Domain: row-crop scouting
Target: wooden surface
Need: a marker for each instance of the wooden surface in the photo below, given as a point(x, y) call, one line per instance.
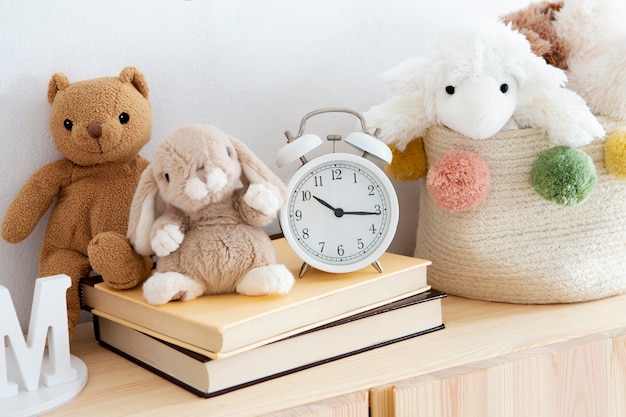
point(571, 378)
point(484, 345)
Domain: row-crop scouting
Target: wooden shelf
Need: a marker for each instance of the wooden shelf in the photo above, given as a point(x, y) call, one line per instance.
point(492, 359)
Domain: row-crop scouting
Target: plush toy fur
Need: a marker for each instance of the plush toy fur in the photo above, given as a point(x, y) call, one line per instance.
point(536, 23)
point(596, 32)
point(478, 79)
point(99, 126)
point(190, 210)
point(595, 56)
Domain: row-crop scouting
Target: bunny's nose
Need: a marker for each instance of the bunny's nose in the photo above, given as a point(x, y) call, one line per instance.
point(216, 180)
point(196, 189)
point(200, 185)
point(95, 130)
point(201, 174)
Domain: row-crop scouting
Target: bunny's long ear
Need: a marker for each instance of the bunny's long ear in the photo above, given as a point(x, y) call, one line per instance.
point(144, 209)
point(254, 171)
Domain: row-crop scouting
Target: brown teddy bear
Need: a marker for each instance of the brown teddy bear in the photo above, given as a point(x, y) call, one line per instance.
point(99, 125)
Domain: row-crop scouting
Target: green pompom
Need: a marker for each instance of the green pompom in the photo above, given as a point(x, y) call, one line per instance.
point(564, 175)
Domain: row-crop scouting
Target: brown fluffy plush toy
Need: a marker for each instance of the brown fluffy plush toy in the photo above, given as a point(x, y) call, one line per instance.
point(536, 23)
point(99, 126)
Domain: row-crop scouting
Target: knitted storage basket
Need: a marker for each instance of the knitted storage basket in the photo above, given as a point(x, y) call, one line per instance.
point(517, 246)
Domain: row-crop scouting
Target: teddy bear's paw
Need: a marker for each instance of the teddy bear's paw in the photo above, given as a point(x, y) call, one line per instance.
point(164, 287)
point(111, 255)
point(615, 154)
point(167, 240)
point(459, 181)
point(263, 198)
point(564, 175)
point(269, 279)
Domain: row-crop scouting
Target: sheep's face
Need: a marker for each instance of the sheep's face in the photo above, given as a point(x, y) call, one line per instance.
point(477, 107)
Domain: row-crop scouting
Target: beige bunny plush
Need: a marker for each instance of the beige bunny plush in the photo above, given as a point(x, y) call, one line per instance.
point(200, 207)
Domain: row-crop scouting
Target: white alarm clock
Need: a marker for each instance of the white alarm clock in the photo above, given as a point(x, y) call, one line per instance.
point(341, 212)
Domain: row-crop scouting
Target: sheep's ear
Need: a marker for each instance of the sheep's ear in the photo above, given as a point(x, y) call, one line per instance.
point(401, 119)
point(406, 77)
point(537, 78)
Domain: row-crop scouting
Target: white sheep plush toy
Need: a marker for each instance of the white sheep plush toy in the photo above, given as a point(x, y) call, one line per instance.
point(477, 79)
point(506, 211)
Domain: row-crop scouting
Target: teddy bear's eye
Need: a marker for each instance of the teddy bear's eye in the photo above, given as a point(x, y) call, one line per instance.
point(167, 177)
point(68, 124)
point(124, 118)
point(504, 88)
point(450, 89)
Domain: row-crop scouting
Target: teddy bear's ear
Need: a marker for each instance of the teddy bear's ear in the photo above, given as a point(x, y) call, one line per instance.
point(59, 81)
point(133, 76)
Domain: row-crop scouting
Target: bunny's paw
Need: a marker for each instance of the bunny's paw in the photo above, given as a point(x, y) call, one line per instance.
point(167, 240)
point(163, 287)
point(269, 279)
point(263, 198)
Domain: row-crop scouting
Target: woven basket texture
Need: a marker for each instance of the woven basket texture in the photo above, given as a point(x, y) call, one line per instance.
point(518, 247)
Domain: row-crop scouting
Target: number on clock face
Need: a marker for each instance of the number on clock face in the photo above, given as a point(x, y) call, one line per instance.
point(339, 212)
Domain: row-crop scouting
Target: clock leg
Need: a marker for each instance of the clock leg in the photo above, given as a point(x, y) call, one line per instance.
point(377, 265)
point(304, 269)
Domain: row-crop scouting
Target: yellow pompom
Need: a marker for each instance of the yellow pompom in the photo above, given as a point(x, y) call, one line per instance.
point(615, 154)
point(410, 164)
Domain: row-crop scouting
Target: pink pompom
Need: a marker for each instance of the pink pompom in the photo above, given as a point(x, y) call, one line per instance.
point(459, 181)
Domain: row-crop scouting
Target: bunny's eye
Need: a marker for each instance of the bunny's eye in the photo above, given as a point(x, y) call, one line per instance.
point(228, 152)
point(504, 88)
point(167, 177)
point(450, 89)
point(67, 123)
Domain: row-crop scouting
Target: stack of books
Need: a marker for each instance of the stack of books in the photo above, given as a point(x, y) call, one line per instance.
point(220, 343)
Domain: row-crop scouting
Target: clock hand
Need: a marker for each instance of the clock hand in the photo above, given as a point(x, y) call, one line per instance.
point(324, 203)
point(338, 212)
point(362, 213)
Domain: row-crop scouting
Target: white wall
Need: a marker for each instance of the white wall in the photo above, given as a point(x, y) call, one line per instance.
point(252, 67)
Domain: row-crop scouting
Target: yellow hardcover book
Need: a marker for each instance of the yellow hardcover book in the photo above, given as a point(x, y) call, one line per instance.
point(391, 323)
point(227, 322)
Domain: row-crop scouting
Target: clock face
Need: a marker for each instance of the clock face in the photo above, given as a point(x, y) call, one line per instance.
point(341, 213)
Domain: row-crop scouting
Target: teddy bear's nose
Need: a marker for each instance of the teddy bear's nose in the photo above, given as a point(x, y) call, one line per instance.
point(95, 130)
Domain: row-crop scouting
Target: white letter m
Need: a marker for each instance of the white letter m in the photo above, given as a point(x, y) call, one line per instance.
point(21, 361)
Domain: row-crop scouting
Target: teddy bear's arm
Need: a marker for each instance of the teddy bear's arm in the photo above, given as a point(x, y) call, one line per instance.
point(34, 198)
